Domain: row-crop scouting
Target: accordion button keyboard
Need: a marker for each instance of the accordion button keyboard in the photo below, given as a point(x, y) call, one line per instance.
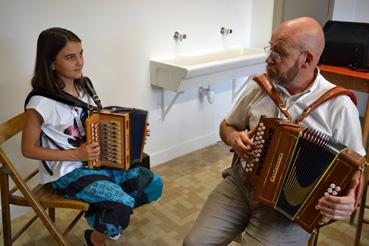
point(333, 190)
point(252, 164)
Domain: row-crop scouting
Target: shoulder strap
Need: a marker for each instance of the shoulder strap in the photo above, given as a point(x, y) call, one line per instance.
point(92, 92)
point(270, 89)
point(68, 99)
point(334, 92)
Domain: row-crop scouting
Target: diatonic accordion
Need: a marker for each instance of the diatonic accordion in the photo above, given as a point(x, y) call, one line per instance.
point(294, 166)
point(121, 134)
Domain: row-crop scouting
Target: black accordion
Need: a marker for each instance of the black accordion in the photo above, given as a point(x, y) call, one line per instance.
point(294, 166)
point(121, 133)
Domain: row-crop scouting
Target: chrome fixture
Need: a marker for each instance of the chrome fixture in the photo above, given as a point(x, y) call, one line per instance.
point(225, 31)
point(179, 37)
point(208, 92)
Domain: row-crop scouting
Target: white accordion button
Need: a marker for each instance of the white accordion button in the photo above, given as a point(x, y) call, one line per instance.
point(333, 189)
point(326, 194)
point(243, 164)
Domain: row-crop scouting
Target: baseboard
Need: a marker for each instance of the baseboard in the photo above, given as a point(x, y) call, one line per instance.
point(183, 148)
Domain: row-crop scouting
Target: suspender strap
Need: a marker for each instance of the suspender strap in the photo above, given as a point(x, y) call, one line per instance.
point(272, 92)
point(46, 166)
point(93, 93)
point(69, 99)
point(270, 89)
point(334, 92)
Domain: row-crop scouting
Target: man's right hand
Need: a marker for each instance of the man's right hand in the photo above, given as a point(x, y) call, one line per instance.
point(240, 141)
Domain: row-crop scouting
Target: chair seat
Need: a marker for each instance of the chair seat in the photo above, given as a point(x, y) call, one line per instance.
point(49, 198)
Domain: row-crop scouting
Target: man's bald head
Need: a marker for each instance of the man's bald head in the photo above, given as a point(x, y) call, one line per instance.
point(303, 33)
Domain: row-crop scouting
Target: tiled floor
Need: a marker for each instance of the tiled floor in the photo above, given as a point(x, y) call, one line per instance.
point(188, 180)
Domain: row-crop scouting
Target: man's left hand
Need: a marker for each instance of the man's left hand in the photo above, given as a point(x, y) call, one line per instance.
point(339, 207)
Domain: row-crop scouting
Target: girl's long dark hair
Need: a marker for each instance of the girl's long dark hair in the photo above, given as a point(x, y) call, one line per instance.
point(49, 43)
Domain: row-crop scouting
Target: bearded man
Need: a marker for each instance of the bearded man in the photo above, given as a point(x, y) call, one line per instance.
point(293, 54)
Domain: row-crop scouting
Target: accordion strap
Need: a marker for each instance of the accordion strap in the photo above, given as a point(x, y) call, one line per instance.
point(272, 92)
point(93, 93)
point(69, 99)
point(334, 92)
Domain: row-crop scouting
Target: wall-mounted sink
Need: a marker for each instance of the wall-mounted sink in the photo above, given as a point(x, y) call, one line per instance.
point(187, 71)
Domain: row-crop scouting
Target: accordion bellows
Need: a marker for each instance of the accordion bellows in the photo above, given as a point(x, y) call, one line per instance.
point(294, 166)
point(121, 135)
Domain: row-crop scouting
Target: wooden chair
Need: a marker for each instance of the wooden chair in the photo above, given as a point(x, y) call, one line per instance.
point(360, 212)
point(313, 240)
point(40, 198)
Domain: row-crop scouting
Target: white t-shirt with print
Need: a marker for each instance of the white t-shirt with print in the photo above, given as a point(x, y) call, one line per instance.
point(61, 125)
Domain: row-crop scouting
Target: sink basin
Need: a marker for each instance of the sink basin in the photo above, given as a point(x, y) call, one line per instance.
point(187, 71)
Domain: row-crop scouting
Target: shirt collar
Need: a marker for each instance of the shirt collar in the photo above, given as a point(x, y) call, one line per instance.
point(311, 88)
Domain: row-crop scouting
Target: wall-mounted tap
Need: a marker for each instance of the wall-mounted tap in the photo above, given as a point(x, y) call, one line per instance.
point(225, 31)
point(208, 92)
point(179, 37)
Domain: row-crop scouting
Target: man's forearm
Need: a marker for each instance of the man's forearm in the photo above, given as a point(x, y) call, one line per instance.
point(224, 131)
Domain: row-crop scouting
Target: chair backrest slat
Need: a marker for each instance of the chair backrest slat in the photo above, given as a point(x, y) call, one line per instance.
point(11, 127)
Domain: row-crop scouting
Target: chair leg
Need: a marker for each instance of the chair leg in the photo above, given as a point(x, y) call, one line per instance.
point(360, 216)
point(313, 240)
point(352, 217)
point(5, 207)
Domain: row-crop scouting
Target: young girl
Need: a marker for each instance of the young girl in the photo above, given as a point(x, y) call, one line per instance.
point(54, 133)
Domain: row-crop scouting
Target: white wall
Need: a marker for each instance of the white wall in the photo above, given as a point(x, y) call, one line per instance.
point(354, 10)
point(119, 37)
point(261, 23)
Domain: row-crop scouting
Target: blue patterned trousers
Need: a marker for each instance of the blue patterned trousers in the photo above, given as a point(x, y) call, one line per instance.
point(112, 194)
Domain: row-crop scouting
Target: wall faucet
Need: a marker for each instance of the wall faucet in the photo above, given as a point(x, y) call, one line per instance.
point(208, 92)
point(225, 31)
point(179, 37)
